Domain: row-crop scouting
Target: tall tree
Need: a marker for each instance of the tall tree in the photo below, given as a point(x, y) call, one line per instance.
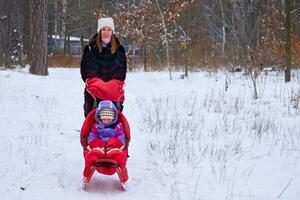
point(223, 26)
point(287, 71)
point(38, 37)
point(25, 28)
point(141, 23)
point(64, 31)
point(156, 28)
point(165, 38)
point(10, 34)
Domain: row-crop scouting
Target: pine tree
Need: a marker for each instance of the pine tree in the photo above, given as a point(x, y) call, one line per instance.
point(38, 37)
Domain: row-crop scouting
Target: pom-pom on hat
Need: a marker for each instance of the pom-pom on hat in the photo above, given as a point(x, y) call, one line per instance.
point(106, 113)
point(106, 21)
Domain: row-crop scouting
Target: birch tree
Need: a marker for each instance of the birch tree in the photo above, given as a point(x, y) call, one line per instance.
point(223, 27)
point(165, 38)
point(63, 37)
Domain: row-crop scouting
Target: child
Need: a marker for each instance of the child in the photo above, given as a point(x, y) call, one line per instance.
point(106, 141)
point(107, 133)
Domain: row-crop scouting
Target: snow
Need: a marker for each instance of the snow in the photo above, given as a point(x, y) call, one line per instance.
point(190, 138)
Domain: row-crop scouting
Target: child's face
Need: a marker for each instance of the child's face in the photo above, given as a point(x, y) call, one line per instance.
point(106, 121)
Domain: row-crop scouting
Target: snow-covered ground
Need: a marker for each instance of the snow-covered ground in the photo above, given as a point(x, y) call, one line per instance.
point(191, 139)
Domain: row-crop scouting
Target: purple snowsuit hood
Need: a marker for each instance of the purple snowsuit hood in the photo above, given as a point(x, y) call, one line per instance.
point(106, 104)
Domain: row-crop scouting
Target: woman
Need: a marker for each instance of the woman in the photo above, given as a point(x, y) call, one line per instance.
point(103, 58)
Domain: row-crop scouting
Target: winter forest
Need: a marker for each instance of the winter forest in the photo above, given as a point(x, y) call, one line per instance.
point(190, 35)
point(211, 93)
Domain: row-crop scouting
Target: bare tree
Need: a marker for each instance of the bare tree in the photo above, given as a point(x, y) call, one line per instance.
point(10, 34)
point(165, 39)
point(64, 26)
point(38, 37)
point(24, 6)
point(210, 33)
point(287, 71)
point(151, 25)
point(141, 23)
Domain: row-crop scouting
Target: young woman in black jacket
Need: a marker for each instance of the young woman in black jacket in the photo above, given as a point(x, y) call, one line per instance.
point(104, 58)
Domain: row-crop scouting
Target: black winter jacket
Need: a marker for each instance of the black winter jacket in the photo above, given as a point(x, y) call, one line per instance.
point(105, 66)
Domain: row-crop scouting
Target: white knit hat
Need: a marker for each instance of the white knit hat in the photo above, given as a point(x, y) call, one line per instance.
point(106, 21)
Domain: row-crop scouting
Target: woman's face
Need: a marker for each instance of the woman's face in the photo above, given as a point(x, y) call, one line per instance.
point(106, 32)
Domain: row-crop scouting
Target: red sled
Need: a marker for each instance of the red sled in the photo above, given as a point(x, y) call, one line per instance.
point(108, 162)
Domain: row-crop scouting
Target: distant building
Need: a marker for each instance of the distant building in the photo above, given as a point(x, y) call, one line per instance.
point(55, 44)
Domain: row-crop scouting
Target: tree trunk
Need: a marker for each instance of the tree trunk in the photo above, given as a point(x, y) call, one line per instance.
point(186, 45)
point(145, 58)
point(51, 25)
point(223, 27)
point(10, 34)
point(80, 27)
point(63, 38)
point(4, 31)
point(38, 37)
point(56, 19)
point(25, 29)
point(175, 53)
point(165, 39)
point(89, 19)
point(287, 71)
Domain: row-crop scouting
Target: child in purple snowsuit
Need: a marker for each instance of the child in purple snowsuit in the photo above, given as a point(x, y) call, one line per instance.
point(107, 133)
